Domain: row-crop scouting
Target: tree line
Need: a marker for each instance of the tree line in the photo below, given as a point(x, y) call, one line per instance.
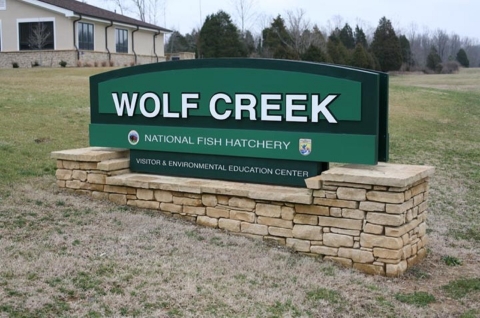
point(384, 49)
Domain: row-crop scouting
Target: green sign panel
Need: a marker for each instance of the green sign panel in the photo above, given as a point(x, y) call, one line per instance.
point(243, 108)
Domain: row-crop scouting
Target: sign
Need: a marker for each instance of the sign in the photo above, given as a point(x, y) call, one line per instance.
point(241, 109)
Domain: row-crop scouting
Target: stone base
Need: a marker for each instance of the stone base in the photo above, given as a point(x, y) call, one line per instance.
point(371, 218)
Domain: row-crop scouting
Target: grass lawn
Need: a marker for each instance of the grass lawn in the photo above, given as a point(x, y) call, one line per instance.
point(67, 256)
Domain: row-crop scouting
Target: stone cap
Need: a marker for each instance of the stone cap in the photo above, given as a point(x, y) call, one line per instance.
point(90, 154)
point(382, 174)
point(207, 186)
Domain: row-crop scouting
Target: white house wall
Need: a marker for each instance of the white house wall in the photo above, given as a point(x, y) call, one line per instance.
point(17, 10)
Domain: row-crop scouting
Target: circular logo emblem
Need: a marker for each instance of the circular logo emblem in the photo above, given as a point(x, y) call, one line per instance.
point(133, 137)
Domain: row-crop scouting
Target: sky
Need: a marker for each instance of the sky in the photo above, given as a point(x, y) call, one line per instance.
point(453, 16)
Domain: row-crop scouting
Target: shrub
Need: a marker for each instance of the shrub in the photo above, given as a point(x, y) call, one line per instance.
point(79, 63)
point(35, 64)
point(95, 64)
point(104, 63)
point(15, 65)
point(62, 63)
point(450, 67)
point(112, 63)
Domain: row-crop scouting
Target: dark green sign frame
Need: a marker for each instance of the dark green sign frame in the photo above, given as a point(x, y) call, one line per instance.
point(244, 108)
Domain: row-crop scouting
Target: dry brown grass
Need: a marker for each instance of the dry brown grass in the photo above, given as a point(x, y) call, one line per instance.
point(64, 255)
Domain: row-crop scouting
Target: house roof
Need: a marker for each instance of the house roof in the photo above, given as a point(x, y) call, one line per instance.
point(84, 9)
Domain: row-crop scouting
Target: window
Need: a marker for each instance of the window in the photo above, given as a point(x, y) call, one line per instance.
point(36, 35)
point(0, 35)
point(3, 4)
point(121, 43)
point(85, 36)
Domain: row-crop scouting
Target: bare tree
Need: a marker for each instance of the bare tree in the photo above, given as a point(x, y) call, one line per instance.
point(245, 12)
point(440, 39)
point(39, 36)
point(299, 30)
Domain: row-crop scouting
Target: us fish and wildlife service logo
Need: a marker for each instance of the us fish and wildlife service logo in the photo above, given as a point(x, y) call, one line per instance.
point(133, 137)
point(305, 146)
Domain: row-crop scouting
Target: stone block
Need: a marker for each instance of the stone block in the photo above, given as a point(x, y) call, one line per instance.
point(96, 178)
point(393, 270)
point(417, 199)
point(324, 250)
point(187, 201)
point(144, 194)
point(372, 206)
point(319, 193)
point(337, 240)
point(288, 213)
point(163, 196)
point(406, 251)
point(314, 182)
point(336, 203)
point(387, 253)
point(305, 219)
point(401, 230)
point(242, 203)
point(345, 232)
point(346, 262)
point(380, 188)
point(229, 225)
point(206, 221)
point(307, 232)
point(274, 240)
point(370, 241)
point(340, 223)
point(385, 219)
point(194, 210)
point(371, 269)
point(278, 231)
point(79, 175)
point(148, 204)
point(275, 222)
point(399, 208)
point(351, 194)
point(256, 229)
point(75, 184)
point(63, 174)
point(311, 209)
point(115, 189)
point(67, 164)
point(298, 245)
point(347, 185)
point(114, 164)
point(353, 214)
point(209, 200)
point(88, 165)
point(170, 207)
point(356, 255)
point(242, 216)
point(336, 212)
point(99, 195)
point(222, 199)
point(386, 197)
point(118, 198)
point(331, 194)
point(422, 187)
point(373, 228)
point(422, 207)
point(61, 183)
point(218, 213)
point(269, 210)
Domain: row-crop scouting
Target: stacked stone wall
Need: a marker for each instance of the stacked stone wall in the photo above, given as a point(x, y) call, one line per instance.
point(377, 229)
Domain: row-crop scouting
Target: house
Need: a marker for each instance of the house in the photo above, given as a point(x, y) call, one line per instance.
point(45, 32)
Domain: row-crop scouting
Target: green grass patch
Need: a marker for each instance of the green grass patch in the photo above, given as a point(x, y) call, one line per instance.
point(451, 260)
point(419, 299)
point(462, 287)
point(329, 295)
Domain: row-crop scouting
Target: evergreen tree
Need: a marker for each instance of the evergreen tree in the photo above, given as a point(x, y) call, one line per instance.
point(176, 43)
point(360, 37)
point(434, 61)
point(248, 42)
point(360, 57)
point(346, 37)
point(277, 42)
point(337, 51)
point(386, 46)
point(314, 54)
point(219, 37)
point(462, 58)
point(406, 52)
